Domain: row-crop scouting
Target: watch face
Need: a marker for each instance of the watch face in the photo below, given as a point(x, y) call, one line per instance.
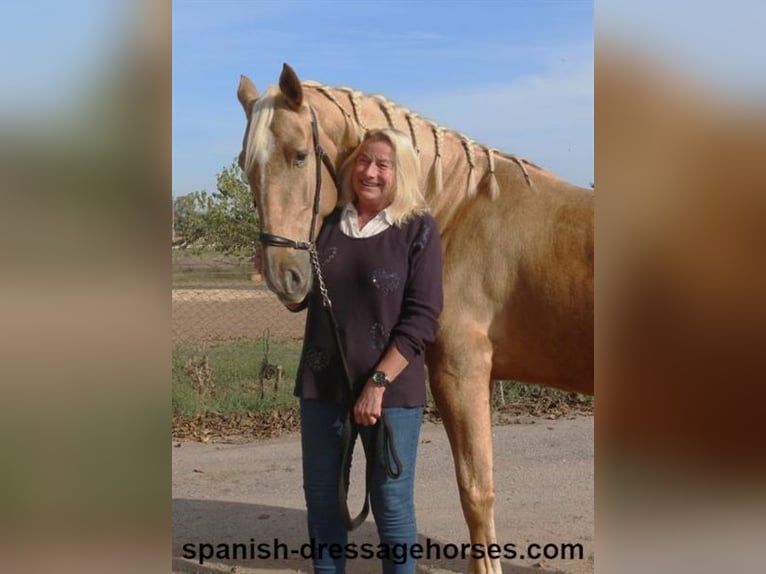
point(379, 378)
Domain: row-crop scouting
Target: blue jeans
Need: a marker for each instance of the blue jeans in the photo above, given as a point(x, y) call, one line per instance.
point(391, 499)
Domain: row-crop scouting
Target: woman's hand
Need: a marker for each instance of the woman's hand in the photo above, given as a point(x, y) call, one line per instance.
point(369, 405)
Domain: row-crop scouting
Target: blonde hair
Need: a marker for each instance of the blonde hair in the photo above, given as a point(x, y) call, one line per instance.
point(408, 200)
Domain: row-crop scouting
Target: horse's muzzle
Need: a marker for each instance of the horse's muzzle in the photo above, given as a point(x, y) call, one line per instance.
point(288, 275)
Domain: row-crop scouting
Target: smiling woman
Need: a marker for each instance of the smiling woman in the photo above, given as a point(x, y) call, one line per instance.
point(362, 372)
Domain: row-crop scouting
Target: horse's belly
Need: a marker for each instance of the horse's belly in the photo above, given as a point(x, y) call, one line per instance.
point(556, 355)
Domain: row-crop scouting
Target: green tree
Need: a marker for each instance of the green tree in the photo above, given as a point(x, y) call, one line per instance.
point(225, 221)
point(232, 218)
point(190, 219)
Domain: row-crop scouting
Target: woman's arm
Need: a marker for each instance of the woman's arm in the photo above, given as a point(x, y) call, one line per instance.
point(423, 297)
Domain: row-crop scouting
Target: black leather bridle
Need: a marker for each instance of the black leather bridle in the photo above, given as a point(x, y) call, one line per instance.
point(269, 239)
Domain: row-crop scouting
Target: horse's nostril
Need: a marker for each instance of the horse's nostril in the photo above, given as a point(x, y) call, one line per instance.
point(293, 280)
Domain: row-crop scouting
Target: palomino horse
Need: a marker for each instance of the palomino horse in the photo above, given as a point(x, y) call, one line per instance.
point(518, 256)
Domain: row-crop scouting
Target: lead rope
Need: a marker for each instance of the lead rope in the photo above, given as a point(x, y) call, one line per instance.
point(384, 437)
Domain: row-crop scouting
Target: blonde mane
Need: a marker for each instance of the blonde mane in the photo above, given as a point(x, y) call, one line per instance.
point(389, 109)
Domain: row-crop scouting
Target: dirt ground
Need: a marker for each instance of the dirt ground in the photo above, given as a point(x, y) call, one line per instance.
point(241, 490)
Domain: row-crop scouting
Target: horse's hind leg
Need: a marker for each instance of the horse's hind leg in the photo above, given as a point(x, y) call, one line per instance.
point(459, 376)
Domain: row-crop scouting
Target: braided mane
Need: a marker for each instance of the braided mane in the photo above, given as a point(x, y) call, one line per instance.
point(389, 109)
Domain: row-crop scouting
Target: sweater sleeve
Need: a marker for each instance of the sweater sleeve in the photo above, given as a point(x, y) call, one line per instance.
point(423, 296)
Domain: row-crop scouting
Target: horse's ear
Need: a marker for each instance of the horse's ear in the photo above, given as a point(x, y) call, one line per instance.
point(247, 94)
point(290, 86)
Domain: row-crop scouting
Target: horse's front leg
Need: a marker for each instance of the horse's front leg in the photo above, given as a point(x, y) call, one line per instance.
point(459, 369)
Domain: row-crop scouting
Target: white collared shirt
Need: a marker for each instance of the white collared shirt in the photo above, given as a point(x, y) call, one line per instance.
point(349, 222)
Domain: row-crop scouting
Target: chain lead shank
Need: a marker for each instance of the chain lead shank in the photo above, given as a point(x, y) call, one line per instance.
point(318, 272)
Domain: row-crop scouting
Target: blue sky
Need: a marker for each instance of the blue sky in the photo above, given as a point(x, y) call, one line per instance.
point(516, 75)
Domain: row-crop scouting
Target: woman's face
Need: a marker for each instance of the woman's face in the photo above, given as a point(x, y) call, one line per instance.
point(373, 175)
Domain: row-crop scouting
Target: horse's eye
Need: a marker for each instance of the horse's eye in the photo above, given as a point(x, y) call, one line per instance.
point(300, 158)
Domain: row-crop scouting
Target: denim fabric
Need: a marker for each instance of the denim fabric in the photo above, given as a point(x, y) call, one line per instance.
point(391, 499)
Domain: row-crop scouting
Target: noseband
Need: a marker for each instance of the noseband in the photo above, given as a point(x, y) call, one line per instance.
point(269, 239)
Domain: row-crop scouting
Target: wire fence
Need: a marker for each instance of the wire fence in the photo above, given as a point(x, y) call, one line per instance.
point(210, 316)
point(230, 332)
point(218, 299)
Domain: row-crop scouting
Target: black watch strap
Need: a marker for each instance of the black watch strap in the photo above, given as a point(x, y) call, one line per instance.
point(379, 379)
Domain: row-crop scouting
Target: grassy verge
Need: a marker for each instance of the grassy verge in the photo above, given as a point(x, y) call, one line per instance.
point(217, 393)
point(537, 398)
point(225, 379)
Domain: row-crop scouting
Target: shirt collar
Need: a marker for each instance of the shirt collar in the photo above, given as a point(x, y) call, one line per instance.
point(385, 215)
point(349, 222)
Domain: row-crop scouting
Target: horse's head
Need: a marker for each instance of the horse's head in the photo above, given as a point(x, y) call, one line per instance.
point(279, 156)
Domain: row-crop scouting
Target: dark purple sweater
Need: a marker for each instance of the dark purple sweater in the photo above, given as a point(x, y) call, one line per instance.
point(384, 289)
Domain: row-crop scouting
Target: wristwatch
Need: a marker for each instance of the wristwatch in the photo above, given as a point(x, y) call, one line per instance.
point(379, 379)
